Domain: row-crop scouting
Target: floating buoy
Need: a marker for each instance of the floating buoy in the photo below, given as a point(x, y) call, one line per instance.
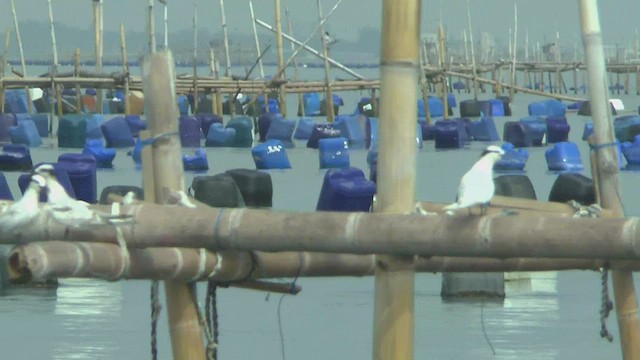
point(136, 124)
point(190, 131)
point(483, 130)
point(271, 154)
point(104, 156)
point(219, 136)
point(41, 121)
point(303, 129)
point(72, 131)
point(117, 133)
point(631, 152)
point(346, 190)
point(470, 108)
point(255, 185)
point(353, 128)
point(264, 122)
point(244, 131)
point(626, 127)
point(81, 169)
point(94, 126)
point(333, 153)
point(564, 156)
point(321, 131)
point(573, 186)
point(282, 129)
point(451, 134)
point(512, 160)
point(557, 129)
point(26, 133)
point(218, 190)
point(15, 157)
point(515, 185)
point(206, 119)
point(196, 162)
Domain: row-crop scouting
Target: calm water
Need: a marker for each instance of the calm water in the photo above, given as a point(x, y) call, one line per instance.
point(552, 316)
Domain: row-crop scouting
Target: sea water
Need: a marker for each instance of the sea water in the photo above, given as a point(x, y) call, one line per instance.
point(553, 315)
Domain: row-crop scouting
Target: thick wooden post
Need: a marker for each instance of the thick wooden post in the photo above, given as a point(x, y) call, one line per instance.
point(394, 276)
point(606, 174)
point(327, 82)
point(158, 75)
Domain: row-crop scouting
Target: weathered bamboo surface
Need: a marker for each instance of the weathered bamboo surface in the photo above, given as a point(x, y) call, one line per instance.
point(64, 259)
point(504, 235)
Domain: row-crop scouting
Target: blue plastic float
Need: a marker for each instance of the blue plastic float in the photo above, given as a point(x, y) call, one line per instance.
point(483, 130)
point(557, 129)
point(7, 121)
point(512, 160)
point(183, 105)
point(564, 156)
point(117, 133)
point(196, 162)
point(333, 152)
point(206, 120)
point(264, 122)
point(492, 107)
point(136, 124)
point(271, 154)
point(631, 152)
point(346, 190)
point(5, 191)
point(15, 157)
point(94, 129)
point(136, 152)
point(353, 128)
point(104, 156)
point(451, 134)
point(626, 127)
point(321, 131)
point(243, 126)
point(41, 121)
point(587, 131)
point(459, 85)
point(81, 169)
point(311, 104)
point(303, 129)
point(470, 108)
point(428, 131)
point(219, 136)
point(555, 107)
point(190, 131)
point(282, 129)
point(26, 133)
point(15, 101)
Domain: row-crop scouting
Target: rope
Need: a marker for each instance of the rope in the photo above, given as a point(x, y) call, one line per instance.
point(155, 313)
point(596, 147)
point(211, 316)
point(606, 305)
point(591, 211)
point(153, 140)
point(484, 331)
point(126, 257)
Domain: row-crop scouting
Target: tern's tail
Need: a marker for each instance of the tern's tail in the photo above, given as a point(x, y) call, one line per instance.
point(453, 206)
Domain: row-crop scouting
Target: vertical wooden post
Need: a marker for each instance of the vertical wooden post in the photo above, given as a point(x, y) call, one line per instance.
point(473, 57)
point(423, 88)
point(327, 81)
point(54, 70)
point(445, 91)
point(166, 24)
point(394, 276)
point(515, 52)
point(255, 37)
point(5, 53)
point(151, 27)
point(158, 75)
point(216, 106)
point(76, 73)
point(22, 61)
point(626, 304)
point(97, 15)
point(282, 73)
point(195, 59)
point(296, 70)
point(125, 67)
point(223, 17)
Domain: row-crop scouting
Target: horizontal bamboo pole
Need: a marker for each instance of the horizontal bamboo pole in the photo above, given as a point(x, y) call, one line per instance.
point(63, 259)
point(500, 235)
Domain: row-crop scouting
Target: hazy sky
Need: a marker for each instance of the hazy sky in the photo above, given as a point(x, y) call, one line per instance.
point(540, 17)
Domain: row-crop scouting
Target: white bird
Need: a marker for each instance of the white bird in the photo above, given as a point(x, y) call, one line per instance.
point(328, 39)
point(25, 210)
point(129, 198)
point(476, 186)
point(65, 209)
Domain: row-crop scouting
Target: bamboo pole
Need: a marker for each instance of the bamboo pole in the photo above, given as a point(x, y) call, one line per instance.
point(515, 52)
point(5, 53)
point(166, 23)
point(125, 67)
point(76, 73)
point(443, 85)
point(255, 37)
point(227, 73)
point(161, 109)
point(606, 172)
point(151, 27)
point(423, 89)
point(296, 70)
point(394, 276)
point(217, 96)
point(48, 260)
point(54, 69)
point(325, 51)
point(281, 74)
point(304, 46)
point(473, 57)
point(196, 101)
point(97, 16)
point(22, 60)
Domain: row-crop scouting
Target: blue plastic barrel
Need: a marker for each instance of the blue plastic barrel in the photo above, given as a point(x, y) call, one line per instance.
point(564, 156)
point(196, 162)
point(271, 154)
point(219, 136)
point(190, 131)
point(15, 157)
point(264, 122)
point(483, 130)
point(303, 129)
point(81, 169)
point(346, 190)
point(631, 152)
point(136, 124)
point(117, 133)
point(353, 128)
point(244, 131)
point(311, 104)
point(512, 160)
point(104, 156)
point(450, 134)
point(7, 121)
point(321, 131)
point(26, 133)
point(557, 129)
point(281, 129)
point(206, 120)
point(333, 153)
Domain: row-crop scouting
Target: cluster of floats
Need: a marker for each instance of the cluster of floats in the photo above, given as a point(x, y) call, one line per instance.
point(99, 137)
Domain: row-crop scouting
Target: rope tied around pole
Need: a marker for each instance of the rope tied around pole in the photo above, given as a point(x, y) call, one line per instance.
point(606, 305)
point(153, 140)
point(596, 147)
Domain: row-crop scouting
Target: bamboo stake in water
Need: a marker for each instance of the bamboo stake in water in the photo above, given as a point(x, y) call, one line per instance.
point(281, 67)
point(515, 52)
point(473, 57)
point(626, 304)
point(54, 70)
point(125, 67)
point(327, 83)
point(22, 61)
point(255, 37)
point(394, 276)
point(195, 59)
point(97, 13)
point(161, 108)
point(166, 24)
point(443, 85)
point(3, 64)
point(227, 73)
point(423, 88)
point(217, 96)
point(296, 70)
point(151, 28)
point(76, 73)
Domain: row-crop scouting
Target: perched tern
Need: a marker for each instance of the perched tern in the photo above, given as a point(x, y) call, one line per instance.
point(25, 210)
point(328, 39)
point(476, 186)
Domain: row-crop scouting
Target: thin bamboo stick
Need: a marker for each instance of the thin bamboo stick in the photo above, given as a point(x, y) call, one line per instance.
point(161, 109)
point(296, 70)
point(125, 68)
point(54, 69)
point(76, 71)
point(217, 96)
point(515, 52)
point(304, 46)
point(606, 172)
point(196, 99)
point(151, 27)
point(166, 24)
point(443, 85)
point(97, 4)
point(22, 60)
point(394, 276)
point(325, 51)
point(423, 88)
point(5, 53)
point(473, 57)
point(255, 37)
point(227, 73)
